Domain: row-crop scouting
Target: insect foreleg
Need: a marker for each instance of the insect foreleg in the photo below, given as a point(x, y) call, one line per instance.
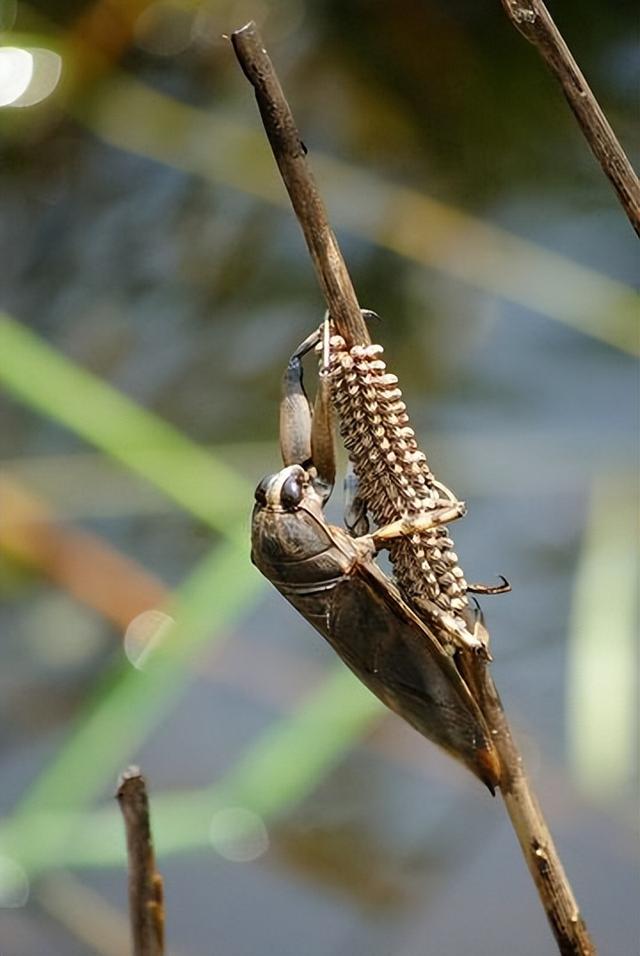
point(295, 409)
point(355, 508)
point(295, 416)
point(306, 437)
point(323, 451)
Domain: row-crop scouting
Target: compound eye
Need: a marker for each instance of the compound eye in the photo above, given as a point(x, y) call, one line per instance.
point(261, 490)
point(291, 492)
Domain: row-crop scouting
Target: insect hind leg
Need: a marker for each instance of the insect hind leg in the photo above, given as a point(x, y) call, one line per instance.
point(503, 588)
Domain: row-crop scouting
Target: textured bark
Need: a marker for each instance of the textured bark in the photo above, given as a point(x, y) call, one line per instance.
point(146, 904)
point(532, 19)
point(291, 157)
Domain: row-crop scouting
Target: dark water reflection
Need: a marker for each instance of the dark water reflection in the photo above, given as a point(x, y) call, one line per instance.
point(188, 296)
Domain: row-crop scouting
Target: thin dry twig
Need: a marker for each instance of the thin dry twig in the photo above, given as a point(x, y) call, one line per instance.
point(532, 19)
point(290, 153)
point(534, 836)
point(146, 903)
point(536, 842)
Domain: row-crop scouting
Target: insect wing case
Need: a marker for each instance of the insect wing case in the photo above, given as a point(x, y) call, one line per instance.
point(352, 603)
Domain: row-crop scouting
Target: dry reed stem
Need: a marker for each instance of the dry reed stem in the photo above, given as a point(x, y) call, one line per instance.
point(526, 817)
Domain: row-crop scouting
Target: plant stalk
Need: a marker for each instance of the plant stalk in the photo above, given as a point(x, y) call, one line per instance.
point(522, 807)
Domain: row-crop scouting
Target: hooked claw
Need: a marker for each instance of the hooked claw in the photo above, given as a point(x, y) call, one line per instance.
point(503, 588)
point(295, 417)
point(306, 436)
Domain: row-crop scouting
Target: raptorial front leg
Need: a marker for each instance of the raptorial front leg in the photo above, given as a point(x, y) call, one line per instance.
point(295, 416)
point(355, 509)
point(295, 408)
point(306, 436)
point(323, 450)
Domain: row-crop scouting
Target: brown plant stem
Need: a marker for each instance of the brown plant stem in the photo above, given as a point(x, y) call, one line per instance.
point(146, 903)
point(533, 834)
point(532, 19)
point(290, 153)
point(528, 822)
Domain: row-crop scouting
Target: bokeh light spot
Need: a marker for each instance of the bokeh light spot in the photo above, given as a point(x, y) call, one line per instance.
point(146, 634)
point(238, 834)
point(28, 76)
point(16, 70)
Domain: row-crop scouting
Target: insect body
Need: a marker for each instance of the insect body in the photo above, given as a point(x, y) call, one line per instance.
point(332, 579)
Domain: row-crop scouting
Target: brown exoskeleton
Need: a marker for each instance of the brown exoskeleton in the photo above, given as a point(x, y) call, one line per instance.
point(332, 578)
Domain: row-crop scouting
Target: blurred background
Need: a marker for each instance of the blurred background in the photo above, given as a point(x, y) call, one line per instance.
point(154, 282)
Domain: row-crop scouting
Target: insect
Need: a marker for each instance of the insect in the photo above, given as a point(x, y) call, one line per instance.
point(331, 577)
